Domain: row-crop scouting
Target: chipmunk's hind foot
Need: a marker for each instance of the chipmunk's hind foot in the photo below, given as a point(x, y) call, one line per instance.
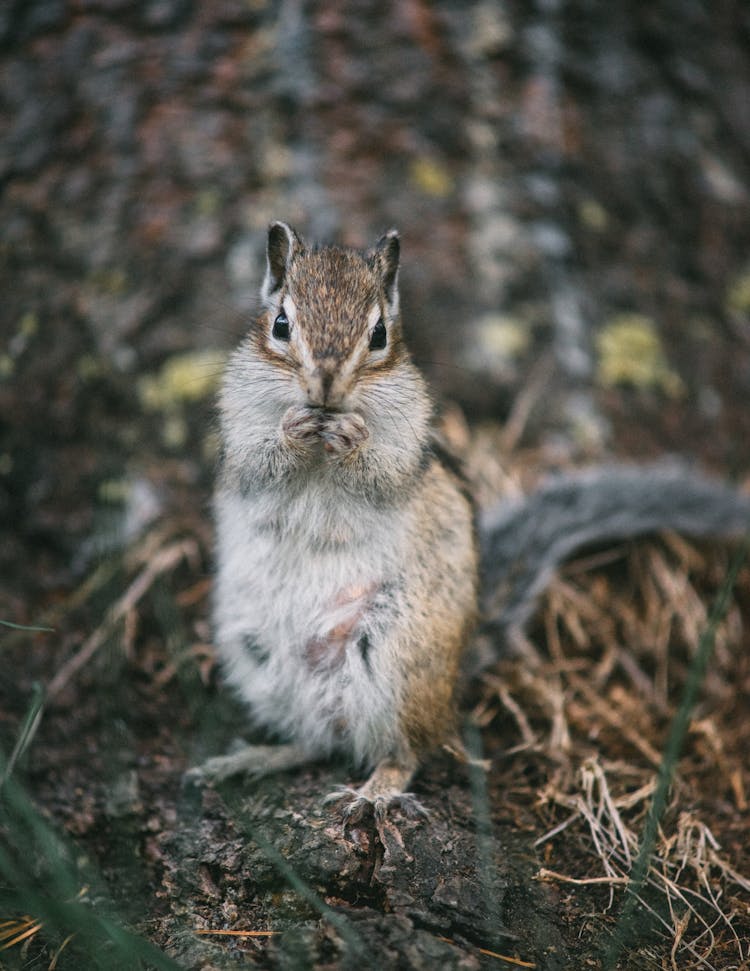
point(356, 807)
point(382, 792)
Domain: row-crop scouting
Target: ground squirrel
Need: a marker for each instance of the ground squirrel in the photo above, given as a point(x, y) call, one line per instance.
point(348, 558)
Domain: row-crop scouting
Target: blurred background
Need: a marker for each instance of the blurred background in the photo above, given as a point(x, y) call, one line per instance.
point(571, 181)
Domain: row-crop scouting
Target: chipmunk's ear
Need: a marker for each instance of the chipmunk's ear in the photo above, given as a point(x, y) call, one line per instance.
point(385, 259)
point(283, 244)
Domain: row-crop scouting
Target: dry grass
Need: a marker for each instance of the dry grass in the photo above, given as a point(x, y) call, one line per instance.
point(591, 697)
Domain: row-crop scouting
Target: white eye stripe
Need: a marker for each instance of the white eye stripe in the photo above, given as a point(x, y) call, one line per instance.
point(373, 343)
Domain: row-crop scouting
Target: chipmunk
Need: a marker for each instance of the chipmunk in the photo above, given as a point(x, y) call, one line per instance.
point(348, 555)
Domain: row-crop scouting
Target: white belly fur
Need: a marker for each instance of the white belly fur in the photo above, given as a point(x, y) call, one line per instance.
point(301, 582)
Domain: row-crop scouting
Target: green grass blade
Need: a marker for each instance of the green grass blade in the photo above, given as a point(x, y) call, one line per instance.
point(624, 930)
point(9, 623)
point(26, 733)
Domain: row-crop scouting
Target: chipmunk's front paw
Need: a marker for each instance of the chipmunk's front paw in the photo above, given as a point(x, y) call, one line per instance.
point(342, 434)
point(301, 427)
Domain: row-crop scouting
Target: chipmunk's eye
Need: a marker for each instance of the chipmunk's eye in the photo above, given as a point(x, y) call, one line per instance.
point(379, 337)
point(281, 327)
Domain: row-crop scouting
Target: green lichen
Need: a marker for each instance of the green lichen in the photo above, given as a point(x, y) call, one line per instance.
point(629, 351)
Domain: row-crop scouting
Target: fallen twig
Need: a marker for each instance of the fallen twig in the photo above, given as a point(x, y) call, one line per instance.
point(163, 560)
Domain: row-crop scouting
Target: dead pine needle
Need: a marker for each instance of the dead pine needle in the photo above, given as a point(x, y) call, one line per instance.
point(13, 932)
point(232, 933)
point(17, 930)
point(53, 963)
point(543, 874)
point(516, 962)
point(511, 705)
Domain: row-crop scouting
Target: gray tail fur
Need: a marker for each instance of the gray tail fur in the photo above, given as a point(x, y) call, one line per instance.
point(525, 541)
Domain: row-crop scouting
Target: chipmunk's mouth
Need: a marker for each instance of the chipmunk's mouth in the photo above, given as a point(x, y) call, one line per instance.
point(327, 407)
point(325, 410)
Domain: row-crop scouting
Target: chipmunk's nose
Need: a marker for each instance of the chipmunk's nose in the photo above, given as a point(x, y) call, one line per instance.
point(321, 392)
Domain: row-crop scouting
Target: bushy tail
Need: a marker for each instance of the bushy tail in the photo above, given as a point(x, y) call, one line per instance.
point(524, 541)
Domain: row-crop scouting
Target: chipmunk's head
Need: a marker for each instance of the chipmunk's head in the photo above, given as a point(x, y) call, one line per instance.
point(331, 315)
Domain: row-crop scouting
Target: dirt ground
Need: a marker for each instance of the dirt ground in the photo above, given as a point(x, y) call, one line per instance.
point(572, 187)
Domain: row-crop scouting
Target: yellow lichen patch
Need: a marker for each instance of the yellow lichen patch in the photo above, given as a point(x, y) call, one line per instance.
point(503, 336)
point(114, 492)
point(738, 295)
point(629, 351)
point(593, 215)
point(183, 378)
point(174, 431)
point(29, 324)
point(88, 366)
point(113, 280)
point(499, 342)
point(208, 202)
point(432, 178)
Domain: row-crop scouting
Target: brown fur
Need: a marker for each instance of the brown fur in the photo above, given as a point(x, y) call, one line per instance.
point(445, 610)
point(334, 290)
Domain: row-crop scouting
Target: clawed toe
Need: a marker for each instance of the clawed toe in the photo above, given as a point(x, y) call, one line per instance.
point(357, 806)
point(356, 810)
point(409, 805)
point(354, 806)
point(339, 794)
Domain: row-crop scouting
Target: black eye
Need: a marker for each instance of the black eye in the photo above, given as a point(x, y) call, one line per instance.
point(281, 327)
point(378, 338)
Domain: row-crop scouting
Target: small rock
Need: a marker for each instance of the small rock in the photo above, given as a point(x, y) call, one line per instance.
point(123, 796)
